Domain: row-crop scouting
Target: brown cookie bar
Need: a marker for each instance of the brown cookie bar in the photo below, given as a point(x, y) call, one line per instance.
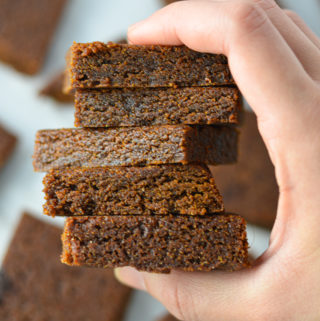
point(168, 317)
point(162, 189)
point(7, 144)
point(156, 106)
point(249, 186)
point(99, 65)
point(26, 29)
point(34, 285)
point(126, 146)
point(54, 89)
point(157, 243)
point(166, 2)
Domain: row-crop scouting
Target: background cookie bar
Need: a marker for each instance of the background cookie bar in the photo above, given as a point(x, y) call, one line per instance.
point(168, 317)
point(249, 186)
point(7, 143)
point(26, 29)
point(34, 285)
point(54, 89)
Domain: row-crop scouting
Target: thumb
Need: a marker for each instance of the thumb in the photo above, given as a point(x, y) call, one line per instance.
point(196, 296)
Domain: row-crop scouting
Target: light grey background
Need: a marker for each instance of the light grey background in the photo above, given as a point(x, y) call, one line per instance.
point(24, 112)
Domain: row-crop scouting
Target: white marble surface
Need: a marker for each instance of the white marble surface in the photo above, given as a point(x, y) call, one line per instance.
point(24, 112)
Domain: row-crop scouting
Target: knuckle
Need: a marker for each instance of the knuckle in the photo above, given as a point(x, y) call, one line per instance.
point(247, 16)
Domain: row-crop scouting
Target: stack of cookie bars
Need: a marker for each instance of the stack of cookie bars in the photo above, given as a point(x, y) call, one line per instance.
point(133, 180)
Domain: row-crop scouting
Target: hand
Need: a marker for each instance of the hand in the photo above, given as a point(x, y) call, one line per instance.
point(275, 60)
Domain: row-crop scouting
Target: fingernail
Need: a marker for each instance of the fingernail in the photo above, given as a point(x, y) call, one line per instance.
point(131, 277)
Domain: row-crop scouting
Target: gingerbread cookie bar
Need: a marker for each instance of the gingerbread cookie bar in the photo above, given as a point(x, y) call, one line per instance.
point(157, 243)
point(151, 190)
point(129, 146)
point(100, 65)
point(119, 107)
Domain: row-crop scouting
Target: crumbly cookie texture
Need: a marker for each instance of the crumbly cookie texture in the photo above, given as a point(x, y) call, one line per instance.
point(150, 190)
point(157, 243)
point(116, 107)
point(100, 65)
point(129, 146)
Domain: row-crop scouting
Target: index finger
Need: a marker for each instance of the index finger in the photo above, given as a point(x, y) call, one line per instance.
point(263, 65)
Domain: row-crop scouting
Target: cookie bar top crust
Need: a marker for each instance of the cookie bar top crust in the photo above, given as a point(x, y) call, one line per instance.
point(7, 143)
point(26, 29)
point(162, 189)
point(99, 65)
point(34, 285)
point(115, 107)
point(129, 146)
point(157, 243)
